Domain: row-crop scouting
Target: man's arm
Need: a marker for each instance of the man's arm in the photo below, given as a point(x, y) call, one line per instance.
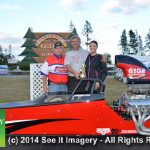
point(104, 59)
point(72, 71)
point(45, 88)
point(44, 72)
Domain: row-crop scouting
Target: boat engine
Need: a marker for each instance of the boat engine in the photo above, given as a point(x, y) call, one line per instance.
point(135, 104)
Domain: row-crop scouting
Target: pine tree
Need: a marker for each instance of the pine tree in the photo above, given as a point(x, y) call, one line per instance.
point(71, 26)
point(29, 34)
point(123, 43)
point(133, 43)
point(9, 49)
point(6, 51)
point(1, 50)
point(139, 48)
point(147, 42)
point(86, 31)
point(1, 55)
point(74, 32)
point(28, 52)
point(142, 50)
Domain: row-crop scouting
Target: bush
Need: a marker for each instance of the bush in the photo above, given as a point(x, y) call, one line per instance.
point(24, 66)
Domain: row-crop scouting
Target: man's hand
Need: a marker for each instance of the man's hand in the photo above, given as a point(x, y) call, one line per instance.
point(72, 71)
point(45, 89)
point(104, 59)
point(77, 75)
point(96, 85)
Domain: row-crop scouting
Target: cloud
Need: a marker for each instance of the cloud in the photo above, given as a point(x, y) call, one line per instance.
point(97, 37)
point(143, 18)
point(119, 8)
point(115, 25)
point(38, 18)
point(12, 14)
point(10, 38)
point(105, 26)
point(27, 15)
point(5, 6)
point(73, 5)
point(16, 42)
point(16, 49)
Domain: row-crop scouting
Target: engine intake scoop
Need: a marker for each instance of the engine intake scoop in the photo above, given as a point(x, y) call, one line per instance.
point(137, 74)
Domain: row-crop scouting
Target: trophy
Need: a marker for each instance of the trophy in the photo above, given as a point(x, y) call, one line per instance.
point(82, 71)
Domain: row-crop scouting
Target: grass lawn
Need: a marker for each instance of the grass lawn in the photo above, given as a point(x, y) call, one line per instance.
point(18, 89)
point(114, 89)
point(14, 89)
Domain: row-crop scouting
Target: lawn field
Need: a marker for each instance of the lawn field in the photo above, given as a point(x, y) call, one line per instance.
point(114, 89)
point(18, 89)
point(14, 89)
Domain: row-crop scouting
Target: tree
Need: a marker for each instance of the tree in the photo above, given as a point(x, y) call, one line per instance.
point(1, 50)
point(24, 66)
point(133, 43)
point(86, 31)
point(9, 49)
point(13, 57)
point(71, 26)
point(123, 43)
point(108, 56)
point(142, 50)
point(140, 47)
point(6, 51)
point(74, 32)
point(1, 55)
point(147, 42)
point(4, 56)
point(28, 52)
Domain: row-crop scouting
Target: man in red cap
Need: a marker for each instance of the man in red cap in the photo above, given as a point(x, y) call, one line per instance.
point(54, 69)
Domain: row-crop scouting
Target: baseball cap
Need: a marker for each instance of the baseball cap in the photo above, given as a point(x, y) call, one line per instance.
point(57, 44)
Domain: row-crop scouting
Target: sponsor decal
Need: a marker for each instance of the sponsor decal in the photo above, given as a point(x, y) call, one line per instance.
point(51, 36)
point(61, 70)
point(103, 131)
point(135, 77)
point(128, 131)
point(115, 131)
point(2, 128)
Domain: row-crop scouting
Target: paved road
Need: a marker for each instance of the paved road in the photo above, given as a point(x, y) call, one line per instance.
point(110, 77)
point(14, 76)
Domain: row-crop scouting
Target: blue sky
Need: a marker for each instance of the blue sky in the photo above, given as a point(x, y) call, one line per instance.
point(108, 18)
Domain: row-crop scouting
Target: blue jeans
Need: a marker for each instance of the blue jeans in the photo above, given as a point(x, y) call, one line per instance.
point(57, 87)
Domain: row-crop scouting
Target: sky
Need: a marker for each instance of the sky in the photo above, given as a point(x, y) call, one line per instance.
point(108, 18)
